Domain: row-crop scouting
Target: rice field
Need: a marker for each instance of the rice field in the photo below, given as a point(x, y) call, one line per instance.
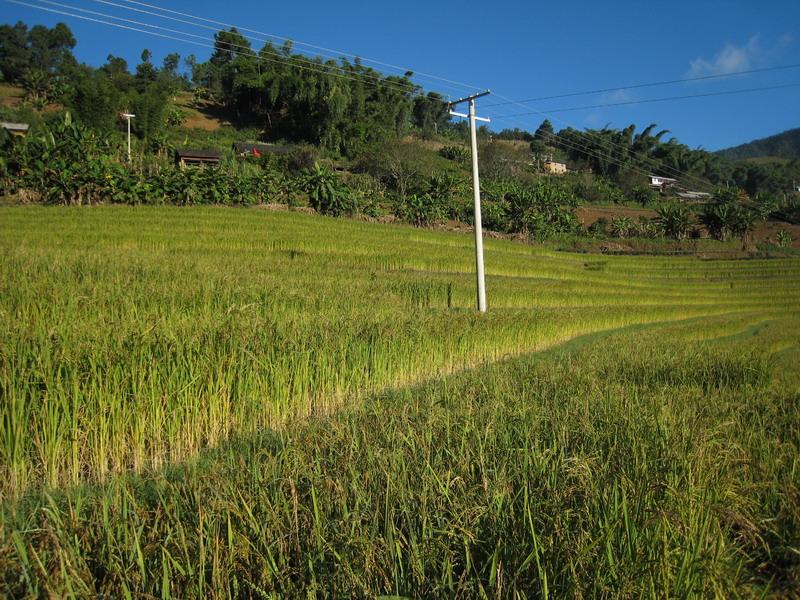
point(215, 402)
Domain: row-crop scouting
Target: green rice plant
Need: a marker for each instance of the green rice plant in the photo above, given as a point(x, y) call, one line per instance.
point(133, 338)
point(553, 475)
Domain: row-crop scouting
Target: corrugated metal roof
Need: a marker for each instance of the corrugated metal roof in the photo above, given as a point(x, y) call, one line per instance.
point(15, 126)
point(208, 154)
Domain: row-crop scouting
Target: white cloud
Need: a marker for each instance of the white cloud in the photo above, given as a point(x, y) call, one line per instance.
point(730, 59)
point(617, 96)
point(787, 39)
point(593, 120)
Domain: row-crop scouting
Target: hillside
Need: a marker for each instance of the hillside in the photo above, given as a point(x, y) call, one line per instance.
point(782, 145)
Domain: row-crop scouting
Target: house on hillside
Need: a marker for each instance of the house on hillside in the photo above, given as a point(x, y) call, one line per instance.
point(196, 158)
point(18, 129)
point(555, 168)
point(257, 149)
point(662, 183)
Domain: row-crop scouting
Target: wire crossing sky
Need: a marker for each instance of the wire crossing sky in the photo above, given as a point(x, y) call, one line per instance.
point(521, 50)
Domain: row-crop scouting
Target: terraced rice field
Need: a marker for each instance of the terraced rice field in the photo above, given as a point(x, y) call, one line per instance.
point(215, 402)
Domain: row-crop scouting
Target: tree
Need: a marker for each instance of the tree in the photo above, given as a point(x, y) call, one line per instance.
point(545, 132)
point(150, 108)
point(117, 70)
point(40, 48)
point(228, 45)
point(171, 63)
point(15, 55)
point(146, 73)
point(51, 49)
point(94, 98)
point(430, 113)
point(515, 134)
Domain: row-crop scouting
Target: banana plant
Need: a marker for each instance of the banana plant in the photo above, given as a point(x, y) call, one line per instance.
point(325, 192)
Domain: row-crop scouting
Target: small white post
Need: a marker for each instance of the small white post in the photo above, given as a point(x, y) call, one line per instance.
point(476, 190)
point(129, 116)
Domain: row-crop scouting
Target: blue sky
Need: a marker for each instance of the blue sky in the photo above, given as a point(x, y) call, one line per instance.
point(525, 49)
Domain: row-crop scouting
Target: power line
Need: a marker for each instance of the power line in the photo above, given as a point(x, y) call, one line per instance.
point(242, 49)
point(325, 68)
point(285, 38)
point(574, 145)
point(645, 85)
point(316, 66)
point(590, 152)
point(615, 161)
point(656, 166)
point(660, 166)
point(184, 21)
point(652, 100)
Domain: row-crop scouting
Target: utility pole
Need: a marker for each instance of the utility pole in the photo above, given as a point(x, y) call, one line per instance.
point(129, 116)
point(476, 189)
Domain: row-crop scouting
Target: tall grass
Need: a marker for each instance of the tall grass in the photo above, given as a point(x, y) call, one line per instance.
point(133, 338)
point(641, 463)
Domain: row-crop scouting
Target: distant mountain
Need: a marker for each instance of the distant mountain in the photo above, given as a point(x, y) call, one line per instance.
point(782, 145)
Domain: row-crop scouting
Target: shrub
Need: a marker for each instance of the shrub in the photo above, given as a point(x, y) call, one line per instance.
point(328, 196)
point(503, 160)
point(675, 220)
point(649, 228)
point(729, 214)
point(302, 158)
point(599, 228)
point(717, 219)
point(176, 116)
point(495, 215)
point(420, 209)
point(644, 195)
point(67, 164)
point(540, 210)
point(622, 227)
point(598, 191)
point(788, 211)
point(401, 167)
point(457, 153)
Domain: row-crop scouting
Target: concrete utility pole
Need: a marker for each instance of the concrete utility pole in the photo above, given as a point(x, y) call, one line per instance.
point(129, 116)
point(476, 188)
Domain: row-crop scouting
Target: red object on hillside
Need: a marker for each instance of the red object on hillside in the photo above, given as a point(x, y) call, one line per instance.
point(256, 153)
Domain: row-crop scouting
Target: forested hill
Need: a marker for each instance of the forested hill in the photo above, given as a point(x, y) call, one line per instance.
point(782, 145)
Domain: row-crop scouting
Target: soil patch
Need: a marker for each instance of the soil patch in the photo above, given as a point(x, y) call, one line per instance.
point(768, 232)
point(590, 214)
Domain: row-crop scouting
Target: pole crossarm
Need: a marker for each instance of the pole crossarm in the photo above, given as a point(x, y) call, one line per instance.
point(468, 98)
point(464, 116)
